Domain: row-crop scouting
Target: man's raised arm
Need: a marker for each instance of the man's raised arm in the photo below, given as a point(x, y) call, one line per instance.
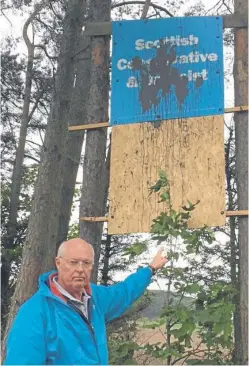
point(119, 297)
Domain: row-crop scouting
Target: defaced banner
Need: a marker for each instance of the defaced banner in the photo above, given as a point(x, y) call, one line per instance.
point(166, 69)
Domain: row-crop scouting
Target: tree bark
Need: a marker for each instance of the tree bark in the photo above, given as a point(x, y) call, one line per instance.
point(106, 261)
point(95, 166)
point(8, 240)
point(40, 245)
point(232, 205)
point(78, 115)
point(241, 139)
point(17, 170)
point(145, 9)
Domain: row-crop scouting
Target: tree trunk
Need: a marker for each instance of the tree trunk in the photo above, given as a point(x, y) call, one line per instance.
point(8, 240)
point(40, 245)
point(78, 115)
point(17, 170)
point(233, 243)
point(106, 260)
point(95, 166)
point(241, 139)
point(5, 295)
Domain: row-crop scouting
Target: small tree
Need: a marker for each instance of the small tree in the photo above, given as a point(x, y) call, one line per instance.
point(207, 315)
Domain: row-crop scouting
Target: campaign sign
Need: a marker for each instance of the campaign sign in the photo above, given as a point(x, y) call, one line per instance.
point(166, 68)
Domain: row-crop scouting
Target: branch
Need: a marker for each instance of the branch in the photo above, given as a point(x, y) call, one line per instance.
point(34, 150)
point(45, 51)
point(35, 143)
point(153, 15)
point(213, 7)
point(145, 9)
point(57, 15)
point(44, 106)
point(32, 158)
point(41, 137)
point(38, 100)
point(6, 17)
point(47, 26)
point(37, 9)
point(82, 50)
point(155, 6)
point(10, 161)
point(226, 6)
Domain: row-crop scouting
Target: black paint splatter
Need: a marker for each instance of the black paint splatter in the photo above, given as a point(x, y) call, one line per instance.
point(199, 81)
point(148, 92)
point(165, 78)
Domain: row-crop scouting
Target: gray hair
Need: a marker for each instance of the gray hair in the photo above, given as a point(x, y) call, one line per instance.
point(61, 249)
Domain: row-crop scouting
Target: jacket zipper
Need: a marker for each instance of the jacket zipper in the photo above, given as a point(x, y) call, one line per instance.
point(89, 326)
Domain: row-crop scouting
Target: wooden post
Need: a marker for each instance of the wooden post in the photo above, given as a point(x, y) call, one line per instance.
point(241, 141)
point(95, 167)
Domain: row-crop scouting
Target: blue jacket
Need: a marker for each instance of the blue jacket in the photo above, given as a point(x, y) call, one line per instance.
point(47, 331)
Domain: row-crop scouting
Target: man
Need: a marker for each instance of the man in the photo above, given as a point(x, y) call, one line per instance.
point(63, 323)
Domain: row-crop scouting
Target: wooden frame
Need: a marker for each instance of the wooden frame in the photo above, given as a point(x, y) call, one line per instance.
point(105, 28)
point(91, 126)
point(236, 213)
point(106, 219)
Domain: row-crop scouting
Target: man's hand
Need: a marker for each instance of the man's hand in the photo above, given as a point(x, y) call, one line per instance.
point(159, 261)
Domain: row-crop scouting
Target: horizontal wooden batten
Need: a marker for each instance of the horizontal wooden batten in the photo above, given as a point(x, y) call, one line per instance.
point(236, 213)
point(105, 28)
point(92, 126)
point(241, 108)
point(94, 219)
point(106, 219)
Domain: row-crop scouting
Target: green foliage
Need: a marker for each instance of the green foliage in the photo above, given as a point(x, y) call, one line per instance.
point(121, 352)
point(207, 316)
point(73, 231)
point(28, 180)
point(153, 324)
point(11, 85)
point(135, 249)
point(210, 314)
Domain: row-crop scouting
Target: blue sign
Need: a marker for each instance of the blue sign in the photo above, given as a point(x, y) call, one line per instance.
point(166, 68)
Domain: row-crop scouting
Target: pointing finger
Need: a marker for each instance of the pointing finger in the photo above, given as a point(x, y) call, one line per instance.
point(160, 251)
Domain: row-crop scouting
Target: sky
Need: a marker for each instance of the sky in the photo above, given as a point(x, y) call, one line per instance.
point(13, 27)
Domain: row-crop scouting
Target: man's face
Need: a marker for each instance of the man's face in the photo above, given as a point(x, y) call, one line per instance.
point(75, 266)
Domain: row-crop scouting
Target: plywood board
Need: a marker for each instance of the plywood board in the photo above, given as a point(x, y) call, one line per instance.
point(190, 151)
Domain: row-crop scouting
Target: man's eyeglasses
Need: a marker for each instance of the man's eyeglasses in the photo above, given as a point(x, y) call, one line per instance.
point(75, 263)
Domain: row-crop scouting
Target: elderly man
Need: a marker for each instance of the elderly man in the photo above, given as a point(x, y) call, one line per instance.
point(63, 323)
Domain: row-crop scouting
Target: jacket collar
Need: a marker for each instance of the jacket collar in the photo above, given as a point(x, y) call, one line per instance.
point(48, 287)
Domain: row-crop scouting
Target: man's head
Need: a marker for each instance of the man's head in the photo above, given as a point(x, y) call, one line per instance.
point(74, 262)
